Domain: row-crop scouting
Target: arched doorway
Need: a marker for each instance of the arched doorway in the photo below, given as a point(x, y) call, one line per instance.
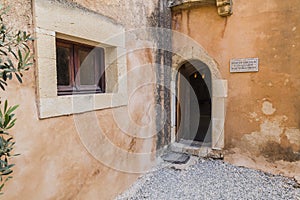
point(194, 104)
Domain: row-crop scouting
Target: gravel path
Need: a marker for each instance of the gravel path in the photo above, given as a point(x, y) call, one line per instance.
point(211, 179)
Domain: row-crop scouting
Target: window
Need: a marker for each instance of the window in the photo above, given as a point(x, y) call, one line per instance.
point(80, 68)
point(108, 92)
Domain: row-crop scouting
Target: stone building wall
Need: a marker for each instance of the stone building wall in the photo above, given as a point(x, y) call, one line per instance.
point(262, 108)
point(63, 157)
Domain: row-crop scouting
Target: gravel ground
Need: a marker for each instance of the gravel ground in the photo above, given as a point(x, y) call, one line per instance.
point(211, 179)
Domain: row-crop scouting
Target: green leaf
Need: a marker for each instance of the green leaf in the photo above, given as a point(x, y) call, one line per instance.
point(15, 57)
point(11, 165)
point(6, 121)
point(18, 77)
point(27, 55)
point(12, 124)
point(5, 106)
point(13, 53)
point(9, 76)
point(7, 172)
point(9, 139)
point(26, 46)
point(1, 186)
point(4, 76)
point(20, 55)
point(2, 84)
point(10, 63)
point(12, 109)
point(3, 52)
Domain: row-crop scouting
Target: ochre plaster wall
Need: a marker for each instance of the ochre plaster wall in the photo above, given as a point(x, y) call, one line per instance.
point(54, 161)
point(262, 112)
point(131, 14)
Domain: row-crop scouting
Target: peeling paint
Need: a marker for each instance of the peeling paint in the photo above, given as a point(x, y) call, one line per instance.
point(293, 136)
point(263, 108)
point(253, 114)
point(267, 108)
point(273, 140)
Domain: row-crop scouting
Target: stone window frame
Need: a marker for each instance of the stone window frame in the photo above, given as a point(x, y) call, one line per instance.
point(83, 26)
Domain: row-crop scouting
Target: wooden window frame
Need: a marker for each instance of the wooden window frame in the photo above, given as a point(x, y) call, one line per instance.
point(75, 87)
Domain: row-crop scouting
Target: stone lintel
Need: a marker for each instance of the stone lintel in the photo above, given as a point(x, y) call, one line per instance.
point(185, 4)
point(224, 7)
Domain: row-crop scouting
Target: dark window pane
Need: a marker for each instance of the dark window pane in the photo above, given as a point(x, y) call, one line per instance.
point(87, 67)
point(62, 65)
point(79, 68)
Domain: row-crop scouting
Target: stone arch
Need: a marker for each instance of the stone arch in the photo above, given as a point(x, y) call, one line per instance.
point(192, 51)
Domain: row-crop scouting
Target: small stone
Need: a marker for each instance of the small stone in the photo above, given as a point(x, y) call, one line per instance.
point(216, 155)
point(212, 180)
point(297, 178)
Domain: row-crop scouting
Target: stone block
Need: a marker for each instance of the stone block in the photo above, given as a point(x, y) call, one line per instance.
point(219, 88)
point(176, 158)
point(111, 55)
point(82, 103)
point(184, 52)
point(47, 80)
point(122, 84)
point(218, 133)
point(118, 39)
point(223, 2)
point(50, 107)
point(218, 108)
point(45, 46)
point(224, 7)
point(111, 74)
point(103, 100)
point(224, 10)
point(184, 4)
point(115, 55)
point(108, 100)
point(44, 31)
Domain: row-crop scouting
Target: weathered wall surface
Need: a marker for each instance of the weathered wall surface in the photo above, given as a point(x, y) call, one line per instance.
point(262, 113)
point(137, 15)
point(54, 162)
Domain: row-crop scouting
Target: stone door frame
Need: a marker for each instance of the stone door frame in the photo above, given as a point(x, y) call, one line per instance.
point(185, 53)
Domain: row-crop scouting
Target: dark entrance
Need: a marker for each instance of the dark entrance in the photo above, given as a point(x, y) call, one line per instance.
point(194, 102)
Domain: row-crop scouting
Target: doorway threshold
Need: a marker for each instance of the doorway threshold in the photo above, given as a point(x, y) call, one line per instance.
point(191, 147)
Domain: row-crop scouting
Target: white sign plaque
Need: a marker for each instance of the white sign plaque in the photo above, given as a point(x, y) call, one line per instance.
point(244, 65)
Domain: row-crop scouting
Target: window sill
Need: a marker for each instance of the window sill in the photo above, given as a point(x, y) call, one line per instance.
point(74, 92)
point(72, 104)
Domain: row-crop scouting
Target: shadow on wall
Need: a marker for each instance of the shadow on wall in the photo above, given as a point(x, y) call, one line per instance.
point(274, 151)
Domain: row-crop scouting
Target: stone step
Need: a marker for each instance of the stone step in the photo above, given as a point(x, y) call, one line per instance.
point(200, 150)
point(176, 158)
